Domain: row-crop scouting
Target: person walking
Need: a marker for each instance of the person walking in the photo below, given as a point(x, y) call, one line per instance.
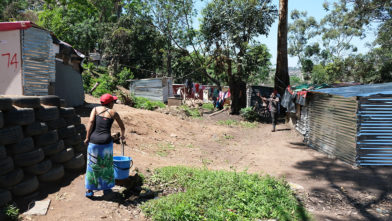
point(100, 171)
point(273, 108)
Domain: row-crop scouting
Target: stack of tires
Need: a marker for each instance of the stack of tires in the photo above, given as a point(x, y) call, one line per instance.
point(39, 140)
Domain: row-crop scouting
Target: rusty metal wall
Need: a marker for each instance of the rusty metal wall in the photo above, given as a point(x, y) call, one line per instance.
point(38, 67)
point(333, 126)
point(374, 140)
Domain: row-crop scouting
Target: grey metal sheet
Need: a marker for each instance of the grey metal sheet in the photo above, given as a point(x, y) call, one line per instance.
point(375, 130)
point(332, 126)
point(38, 67)
point(359, 90)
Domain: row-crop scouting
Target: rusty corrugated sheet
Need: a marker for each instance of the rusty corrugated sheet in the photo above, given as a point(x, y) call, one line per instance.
point(332, 126)
point(38, 67)
point(374, 139)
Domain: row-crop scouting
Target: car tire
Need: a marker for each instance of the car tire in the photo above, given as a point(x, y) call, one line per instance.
point(26, 102)
point(29, 158)
point(27, 186)
point(67, 112)
point(6, 165)
point(1, 119)
point(63, 156)
point(54, 148)
point(50, 137)
point(5, 197)
point(74, 120)
point(25, 145)
point(56, 124)
point(66, 132)
point(75, 163)
point(5, 103)
point(34, 129)
point(63, 103)
point(3, 153)
point(80, 147)
point(54, 174)
point(9, 135)
point(47, 113)
point(11, 178)
point(19, 116)
point(39, 168)
point(70, 141)
point(50, 100)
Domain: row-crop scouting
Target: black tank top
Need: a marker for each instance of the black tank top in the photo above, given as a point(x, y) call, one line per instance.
point(101, 130)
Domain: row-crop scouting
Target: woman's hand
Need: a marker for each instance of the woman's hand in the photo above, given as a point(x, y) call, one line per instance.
point(86, 141)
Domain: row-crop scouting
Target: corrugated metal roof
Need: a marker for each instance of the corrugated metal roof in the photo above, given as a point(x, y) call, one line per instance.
point(359, 90)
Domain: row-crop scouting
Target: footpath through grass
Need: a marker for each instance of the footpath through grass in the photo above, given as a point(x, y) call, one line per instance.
point(221, 195)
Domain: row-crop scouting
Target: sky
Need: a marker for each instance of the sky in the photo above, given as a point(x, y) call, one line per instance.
point(313, 8)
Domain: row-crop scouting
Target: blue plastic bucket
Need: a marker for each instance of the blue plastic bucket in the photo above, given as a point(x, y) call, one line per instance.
point(121, 167)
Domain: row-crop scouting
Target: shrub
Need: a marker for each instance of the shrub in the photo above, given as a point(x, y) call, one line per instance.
point(208, 106)
point(106, 85)
point(11, 212)
point(144, 103)
point(191, 112)
point(249, 114)
point(123, 76)
point(221, 195)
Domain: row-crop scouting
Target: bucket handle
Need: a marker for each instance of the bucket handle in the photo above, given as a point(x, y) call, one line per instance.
point(124, 168)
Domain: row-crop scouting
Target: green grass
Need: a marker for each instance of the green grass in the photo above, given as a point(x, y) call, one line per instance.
point(191, 112)
point(144, 103)
point(221, 195)
point(11, 212)
point(208, 106)
point(164, 149)
point(245, 124)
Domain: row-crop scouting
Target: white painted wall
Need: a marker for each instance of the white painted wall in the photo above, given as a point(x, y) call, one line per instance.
point(10, 63)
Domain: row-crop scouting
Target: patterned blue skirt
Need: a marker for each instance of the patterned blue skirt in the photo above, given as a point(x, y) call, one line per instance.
point(99, 172)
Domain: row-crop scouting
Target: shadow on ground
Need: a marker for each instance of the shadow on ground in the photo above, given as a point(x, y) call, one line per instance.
point(367, 190)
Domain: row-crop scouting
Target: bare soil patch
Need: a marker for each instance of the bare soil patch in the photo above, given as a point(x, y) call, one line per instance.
point(329, 189)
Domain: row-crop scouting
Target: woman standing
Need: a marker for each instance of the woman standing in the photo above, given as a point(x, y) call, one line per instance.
point(100, 172)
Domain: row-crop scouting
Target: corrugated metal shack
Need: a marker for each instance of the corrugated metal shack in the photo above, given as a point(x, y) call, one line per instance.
point(28, 63)
point(155, 89)
point(251, 94)
point(353, 124)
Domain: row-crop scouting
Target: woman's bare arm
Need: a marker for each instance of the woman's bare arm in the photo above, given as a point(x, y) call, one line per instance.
point(120, 124)
point(90, 125)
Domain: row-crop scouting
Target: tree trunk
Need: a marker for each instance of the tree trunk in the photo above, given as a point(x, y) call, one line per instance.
point(282, 79)
point(238, 95)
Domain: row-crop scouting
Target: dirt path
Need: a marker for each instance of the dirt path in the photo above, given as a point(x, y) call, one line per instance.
point(330, 189)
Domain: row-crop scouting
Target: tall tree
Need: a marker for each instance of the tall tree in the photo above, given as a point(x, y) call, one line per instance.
point(229, 27)
point(282, 79)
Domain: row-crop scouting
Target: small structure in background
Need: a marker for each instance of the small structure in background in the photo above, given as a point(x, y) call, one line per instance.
point(155, 89)
point(353, 124)
point(252, 91)
point(28, 55)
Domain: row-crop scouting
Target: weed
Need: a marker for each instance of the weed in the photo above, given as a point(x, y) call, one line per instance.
point(191, 112)
point(208, 106)
point(206, 162)
point(221, 195)
point(11, 212)
point(227, 122)
point(245, 124)
point(164, 149)
point(190, 146)
point(228, 137)
point(144, 103)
